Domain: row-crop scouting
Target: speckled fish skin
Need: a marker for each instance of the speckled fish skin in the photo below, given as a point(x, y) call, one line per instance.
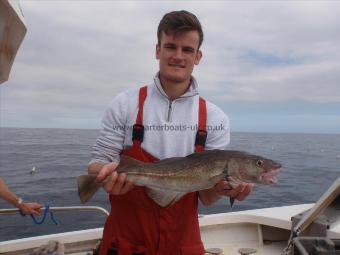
point(202, 170)
point(169, 179)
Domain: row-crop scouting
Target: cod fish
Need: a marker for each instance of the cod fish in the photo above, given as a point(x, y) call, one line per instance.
point(169, 179)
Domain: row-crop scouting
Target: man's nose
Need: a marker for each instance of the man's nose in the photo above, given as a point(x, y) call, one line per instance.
point(178, 54)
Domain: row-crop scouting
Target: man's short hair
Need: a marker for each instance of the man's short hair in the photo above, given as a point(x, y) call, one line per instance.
point(177, 22)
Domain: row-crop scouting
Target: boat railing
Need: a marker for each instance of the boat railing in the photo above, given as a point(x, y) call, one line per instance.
point(60, 209)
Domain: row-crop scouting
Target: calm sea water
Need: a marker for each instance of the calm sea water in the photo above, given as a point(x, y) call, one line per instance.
point(311, 162)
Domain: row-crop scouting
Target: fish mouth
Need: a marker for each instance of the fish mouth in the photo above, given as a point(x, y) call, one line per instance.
point(270, 177)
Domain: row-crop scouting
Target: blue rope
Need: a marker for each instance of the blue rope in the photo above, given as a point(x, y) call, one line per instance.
point(54, 220)
point(46, 210)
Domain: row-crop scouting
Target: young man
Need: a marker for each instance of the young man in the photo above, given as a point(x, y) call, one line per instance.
point(10, 197)
point(169, 119)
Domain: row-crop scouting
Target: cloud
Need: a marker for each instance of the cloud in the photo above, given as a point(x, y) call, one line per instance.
point(307, 82)
point(78, 55)
point(274, 52)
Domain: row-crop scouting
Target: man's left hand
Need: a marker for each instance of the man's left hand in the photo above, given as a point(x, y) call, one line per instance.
point(223, 188)
point(240, 192)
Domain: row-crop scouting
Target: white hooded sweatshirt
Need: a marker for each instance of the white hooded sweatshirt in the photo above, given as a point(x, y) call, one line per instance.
point(170, 126)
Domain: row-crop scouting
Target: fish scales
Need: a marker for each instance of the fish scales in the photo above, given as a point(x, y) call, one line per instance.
point(169, 179)
point(177, 174)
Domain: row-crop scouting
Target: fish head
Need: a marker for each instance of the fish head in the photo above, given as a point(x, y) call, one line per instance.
point(254, 169)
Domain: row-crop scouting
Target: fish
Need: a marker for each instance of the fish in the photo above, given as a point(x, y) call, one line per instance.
point(170, 179)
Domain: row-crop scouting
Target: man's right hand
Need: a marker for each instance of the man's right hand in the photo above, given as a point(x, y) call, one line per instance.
point(116, 184)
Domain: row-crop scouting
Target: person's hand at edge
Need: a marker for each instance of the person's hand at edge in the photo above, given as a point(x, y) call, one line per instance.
point(30, 208)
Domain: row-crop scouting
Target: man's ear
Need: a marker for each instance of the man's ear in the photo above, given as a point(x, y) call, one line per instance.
point(198, 57)
point(158, 51)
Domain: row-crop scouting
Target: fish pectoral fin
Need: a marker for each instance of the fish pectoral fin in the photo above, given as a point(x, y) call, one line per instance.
point(126, 161)
point(233, 182)
point(232, 201)
point(164, 197)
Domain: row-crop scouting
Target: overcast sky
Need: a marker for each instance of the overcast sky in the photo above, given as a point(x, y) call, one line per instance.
point(271, 66)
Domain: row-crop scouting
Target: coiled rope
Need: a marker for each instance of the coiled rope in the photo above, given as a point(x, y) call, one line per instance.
point(42, 220)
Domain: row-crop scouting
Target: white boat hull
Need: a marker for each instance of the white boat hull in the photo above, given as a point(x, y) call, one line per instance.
point(266, 230)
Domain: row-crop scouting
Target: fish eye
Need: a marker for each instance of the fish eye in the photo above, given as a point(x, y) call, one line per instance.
point(259, 163)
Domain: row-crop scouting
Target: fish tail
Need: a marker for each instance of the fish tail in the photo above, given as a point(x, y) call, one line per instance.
point(127, 162)
point(87, 187)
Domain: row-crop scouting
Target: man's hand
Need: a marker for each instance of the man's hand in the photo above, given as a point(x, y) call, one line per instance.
point(223, 188)
point(239, 193)
point(117, 184)
point(30, 208)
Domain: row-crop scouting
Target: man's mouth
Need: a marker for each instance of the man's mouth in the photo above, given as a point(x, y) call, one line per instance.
point(178, 66)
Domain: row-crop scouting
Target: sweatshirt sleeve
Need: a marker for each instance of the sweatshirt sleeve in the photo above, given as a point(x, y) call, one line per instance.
point(111, 137)
point(218, 128)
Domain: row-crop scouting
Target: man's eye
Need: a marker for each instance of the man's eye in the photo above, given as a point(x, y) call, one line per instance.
point(188, 50)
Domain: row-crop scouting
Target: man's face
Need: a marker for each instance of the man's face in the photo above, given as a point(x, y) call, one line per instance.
point(177, 56)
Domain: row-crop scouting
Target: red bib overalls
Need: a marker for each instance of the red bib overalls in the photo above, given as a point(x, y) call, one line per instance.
point(137, 225)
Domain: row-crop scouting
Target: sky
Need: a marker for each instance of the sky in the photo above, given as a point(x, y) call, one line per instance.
point(271, 66)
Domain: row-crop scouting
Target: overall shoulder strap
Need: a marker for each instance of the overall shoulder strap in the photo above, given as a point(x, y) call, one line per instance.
point(138, 128)
point(201, 135)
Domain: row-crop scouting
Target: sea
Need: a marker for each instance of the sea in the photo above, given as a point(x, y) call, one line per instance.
point(311, 163)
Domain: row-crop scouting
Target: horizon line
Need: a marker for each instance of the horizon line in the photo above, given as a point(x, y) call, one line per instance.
point(234, 131)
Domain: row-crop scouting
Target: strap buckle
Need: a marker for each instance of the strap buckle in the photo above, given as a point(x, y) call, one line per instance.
point(201, 137)
point(138, 132)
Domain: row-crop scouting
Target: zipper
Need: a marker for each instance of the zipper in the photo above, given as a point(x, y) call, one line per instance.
point(169, 111)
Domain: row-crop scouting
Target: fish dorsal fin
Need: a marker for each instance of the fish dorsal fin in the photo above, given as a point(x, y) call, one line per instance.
point(126, 161)
point(164, 197)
